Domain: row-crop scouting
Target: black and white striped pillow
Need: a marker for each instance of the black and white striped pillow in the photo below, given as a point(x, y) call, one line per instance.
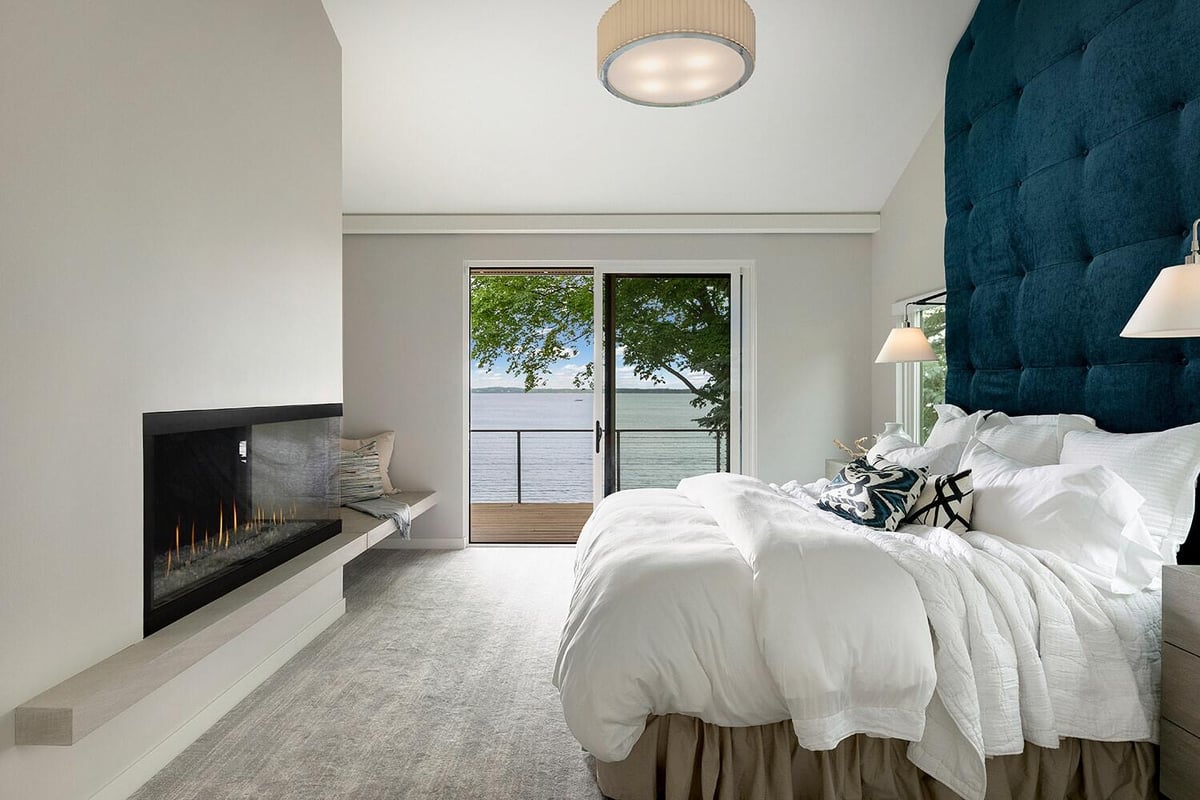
point(945, 502)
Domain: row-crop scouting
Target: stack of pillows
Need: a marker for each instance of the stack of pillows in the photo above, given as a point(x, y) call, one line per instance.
point(1117, 506)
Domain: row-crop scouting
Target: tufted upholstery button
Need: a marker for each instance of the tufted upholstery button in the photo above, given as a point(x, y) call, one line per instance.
point(1083, 47)
point(1180, 106)
point(1020, 91)
point(1084, 152)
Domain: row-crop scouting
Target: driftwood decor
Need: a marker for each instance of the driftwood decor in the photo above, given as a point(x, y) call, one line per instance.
point(858, 450)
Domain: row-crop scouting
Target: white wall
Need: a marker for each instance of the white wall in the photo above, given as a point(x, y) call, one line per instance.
point(907, 256)
point(404, 343)
point(170, 237)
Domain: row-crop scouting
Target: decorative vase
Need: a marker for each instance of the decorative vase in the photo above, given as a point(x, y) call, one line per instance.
point(892, 429)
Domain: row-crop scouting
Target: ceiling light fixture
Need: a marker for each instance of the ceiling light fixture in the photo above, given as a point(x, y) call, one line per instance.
point(669, 53)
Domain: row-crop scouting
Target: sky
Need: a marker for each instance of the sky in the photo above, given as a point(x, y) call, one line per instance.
point(563, 374)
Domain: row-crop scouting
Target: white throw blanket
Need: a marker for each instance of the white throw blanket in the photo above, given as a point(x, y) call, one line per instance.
point(741, 604)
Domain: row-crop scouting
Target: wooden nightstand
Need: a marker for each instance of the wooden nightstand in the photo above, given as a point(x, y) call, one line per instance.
point(1179, 772)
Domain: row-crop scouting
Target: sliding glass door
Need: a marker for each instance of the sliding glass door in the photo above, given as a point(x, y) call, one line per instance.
point(588, 380)
point(668, 399)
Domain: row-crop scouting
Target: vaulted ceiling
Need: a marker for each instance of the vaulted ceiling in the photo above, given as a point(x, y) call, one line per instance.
point(478, 106)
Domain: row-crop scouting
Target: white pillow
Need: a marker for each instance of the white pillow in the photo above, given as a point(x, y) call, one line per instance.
point(903, 451)
point(1034, 444)
point(1163, 466)
point(1051, 419)
point(948, 411)
point(956, 425)
point(1086, 514)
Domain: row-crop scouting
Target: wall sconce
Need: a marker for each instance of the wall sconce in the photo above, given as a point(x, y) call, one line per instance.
point(1171, 309)
point(909, 343)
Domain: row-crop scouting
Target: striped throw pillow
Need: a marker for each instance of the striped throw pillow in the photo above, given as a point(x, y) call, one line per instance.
point(359, 475)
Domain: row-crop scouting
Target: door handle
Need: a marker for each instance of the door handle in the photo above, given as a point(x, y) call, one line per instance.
point(599, 433)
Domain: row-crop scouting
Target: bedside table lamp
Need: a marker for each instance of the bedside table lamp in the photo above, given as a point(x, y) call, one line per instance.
point(1171, 309)
point(909, 343)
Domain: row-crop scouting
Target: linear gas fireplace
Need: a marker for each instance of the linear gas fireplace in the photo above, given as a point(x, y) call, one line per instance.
point(230, 494)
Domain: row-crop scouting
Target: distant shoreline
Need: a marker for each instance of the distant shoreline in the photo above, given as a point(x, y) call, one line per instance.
point(519, 390)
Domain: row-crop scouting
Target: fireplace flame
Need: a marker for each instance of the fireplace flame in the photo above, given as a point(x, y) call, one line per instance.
point(186, 549)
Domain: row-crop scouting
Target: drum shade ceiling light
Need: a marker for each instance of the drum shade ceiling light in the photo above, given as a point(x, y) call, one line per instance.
point(669, 53)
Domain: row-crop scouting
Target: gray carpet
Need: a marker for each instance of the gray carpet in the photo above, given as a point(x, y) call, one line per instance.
point(436, 684)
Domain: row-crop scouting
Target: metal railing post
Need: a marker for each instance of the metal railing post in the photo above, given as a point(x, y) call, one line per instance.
point(518, 467)
point(617, 459)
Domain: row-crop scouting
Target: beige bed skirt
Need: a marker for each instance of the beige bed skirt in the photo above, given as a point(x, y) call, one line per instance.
point(682, 758)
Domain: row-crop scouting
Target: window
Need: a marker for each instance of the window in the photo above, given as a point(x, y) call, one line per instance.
point(921, 385)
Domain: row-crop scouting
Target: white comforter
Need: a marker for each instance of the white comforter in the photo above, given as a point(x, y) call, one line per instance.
point(742, 604)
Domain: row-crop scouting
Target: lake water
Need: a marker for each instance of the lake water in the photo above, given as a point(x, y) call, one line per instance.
point(556, 467)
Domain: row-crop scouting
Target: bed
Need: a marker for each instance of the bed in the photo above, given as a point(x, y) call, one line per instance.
point(728, 639)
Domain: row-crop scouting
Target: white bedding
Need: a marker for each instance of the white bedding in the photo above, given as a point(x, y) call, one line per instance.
point(743, 604)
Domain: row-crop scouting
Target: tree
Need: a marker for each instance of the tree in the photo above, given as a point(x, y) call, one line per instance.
point(933, 373)
point(677, 326)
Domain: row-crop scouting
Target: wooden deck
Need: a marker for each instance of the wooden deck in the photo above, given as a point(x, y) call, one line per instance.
point(527, 523)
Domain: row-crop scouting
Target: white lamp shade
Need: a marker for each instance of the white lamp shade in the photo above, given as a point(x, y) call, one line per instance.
point(1171, 309)
point(905, 344)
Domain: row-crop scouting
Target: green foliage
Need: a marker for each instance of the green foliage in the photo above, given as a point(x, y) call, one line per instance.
point(532, 320)
point(676, 325)
point(679, 325)
point(933, 373)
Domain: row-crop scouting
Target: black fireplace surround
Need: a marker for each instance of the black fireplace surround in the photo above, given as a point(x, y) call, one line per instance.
point(230, 494)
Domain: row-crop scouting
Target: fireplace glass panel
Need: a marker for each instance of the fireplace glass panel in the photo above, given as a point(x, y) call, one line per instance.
point(225, 504)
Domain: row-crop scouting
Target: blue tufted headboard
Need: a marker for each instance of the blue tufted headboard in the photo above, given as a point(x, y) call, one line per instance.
point(1072, 178)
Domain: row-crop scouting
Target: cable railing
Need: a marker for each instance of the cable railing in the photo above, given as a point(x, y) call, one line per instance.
point(555, 464)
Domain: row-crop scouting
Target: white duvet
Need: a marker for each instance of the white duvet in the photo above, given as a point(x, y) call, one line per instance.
point(743, 604)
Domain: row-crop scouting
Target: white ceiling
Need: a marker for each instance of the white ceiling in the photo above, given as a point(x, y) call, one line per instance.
point(479, 106)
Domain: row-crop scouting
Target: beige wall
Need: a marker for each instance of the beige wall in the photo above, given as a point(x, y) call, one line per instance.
point(907, 256)
point(404, 343)
point(170, 237)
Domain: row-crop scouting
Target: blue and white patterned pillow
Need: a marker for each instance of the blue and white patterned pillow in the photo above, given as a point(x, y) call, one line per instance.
point(878, 497)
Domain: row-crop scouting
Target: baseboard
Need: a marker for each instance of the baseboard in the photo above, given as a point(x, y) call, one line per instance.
point(146, 767)
point(396, 543)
